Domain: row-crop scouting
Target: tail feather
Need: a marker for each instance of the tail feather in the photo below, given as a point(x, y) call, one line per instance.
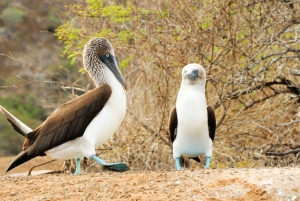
point(21, 158)
point(19, 126)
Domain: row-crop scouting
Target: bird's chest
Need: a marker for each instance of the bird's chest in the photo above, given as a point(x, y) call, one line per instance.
point(106, 123)
point(114, 110)
point(116, 105)
point(191, 112)
point(192, 129)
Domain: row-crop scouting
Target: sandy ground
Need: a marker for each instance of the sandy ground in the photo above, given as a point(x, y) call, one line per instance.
point(190, 184)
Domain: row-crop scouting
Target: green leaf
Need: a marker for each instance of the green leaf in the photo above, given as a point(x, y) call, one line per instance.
point(125, 62)
point(82, 71)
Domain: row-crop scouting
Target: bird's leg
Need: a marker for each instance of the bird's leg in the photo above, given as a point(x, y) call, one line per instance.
point(178, 166)
point(98, 160)
point(207, 162)
point(117, 167)
point(77, 166)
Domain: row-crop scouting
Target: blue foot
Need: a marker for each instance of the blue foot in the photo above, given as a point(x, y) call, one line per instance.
point(178, 166)
point(77, 166)
point(117, 167)
point(207, 162)
point(98, 160)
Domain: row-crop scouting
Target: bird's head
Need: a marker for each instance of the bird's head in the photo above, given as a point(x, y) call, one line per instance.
point(99, 54)
point(194, 74)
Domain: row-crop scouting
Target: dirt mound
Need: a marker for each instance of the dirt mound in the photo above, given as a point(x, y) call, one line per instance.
point(189, 184)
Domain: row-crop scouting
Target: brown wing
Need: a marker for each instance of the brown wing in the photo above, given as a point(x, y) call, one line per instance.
point(66, 123)
point(211, 122)
point(173, 124)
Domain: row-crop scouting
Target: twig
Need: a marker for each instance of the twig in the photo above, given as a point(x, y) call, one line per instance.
point(104, 149)
point(74, 88)
point(56, 5)
point(282, 153)
point(147, 127)
point(288, 123)
point(283, 81)
point(29, 173)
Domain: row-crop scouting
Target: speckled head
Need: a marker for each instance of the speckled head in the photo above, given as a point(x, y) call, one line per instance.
point(99, 54)
point(194, 74)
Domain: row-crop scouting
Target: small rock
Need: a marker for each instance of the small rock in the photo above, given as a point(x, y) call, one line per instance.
point(177, 182)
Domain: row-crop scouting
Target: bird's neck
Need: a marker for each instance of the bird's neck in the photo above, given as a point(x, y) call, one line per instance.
point(197, 87)
point(98, 76)
point(107, 77)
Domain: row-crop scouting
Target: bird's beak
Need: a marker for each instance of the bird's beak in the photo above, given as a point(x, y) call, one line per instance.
point(112, 64)
point(192, 74)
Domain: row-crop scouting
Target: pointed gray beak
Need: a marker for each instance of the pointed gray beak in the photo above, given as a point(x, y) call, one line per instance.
point(111, 63)
point(192, 75)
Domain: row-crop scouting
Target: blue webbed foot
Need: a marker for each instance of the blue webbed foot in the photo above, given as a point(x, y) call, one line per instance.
point(117, 167)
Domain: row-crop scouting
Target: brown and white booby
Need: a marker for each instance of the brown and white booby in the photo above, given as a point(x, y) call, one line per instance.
point(79, 126)
point(192, 123)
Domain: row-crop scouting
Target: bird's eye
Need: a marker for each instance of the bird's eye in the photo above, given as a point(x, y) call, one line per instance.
point(107, 55)
point(184, 71)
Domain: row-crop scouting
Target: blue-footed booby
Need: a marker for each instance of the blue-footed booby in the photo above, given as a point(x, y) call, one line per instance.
point(192, 123)
point(79, 126)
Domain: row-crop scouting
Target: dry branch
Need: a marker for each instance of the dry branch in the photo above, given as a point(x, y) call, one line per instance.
point(283, 81)
point(152, 131)
point(282, 153)
point(29, 173)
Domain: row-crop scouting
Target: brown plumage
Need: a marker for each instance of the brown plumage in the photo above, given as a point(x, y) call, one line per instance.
point(72, 116)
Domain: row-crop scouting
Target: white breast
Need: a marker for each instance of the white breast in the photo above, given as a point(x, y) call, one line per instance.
point(192, 131)
point(101, 128)
point(106, 123)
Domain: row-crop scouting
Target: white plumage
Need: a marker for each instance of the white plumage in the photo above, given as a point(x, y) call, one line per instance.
point(191, 131)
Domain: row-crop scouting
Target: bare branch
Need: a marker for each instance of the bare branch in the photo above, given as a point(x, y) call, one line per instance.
point(282, 153)
point(288, 123)
point(147, 127)
point(29, 173)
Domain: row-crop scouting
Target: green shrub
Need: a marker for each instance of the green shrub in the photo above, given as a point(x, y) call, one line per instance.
point(12, 16)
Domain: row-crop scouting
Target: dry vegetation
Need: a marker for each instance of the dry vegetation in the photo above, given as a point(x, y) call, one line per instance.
point(250, 50)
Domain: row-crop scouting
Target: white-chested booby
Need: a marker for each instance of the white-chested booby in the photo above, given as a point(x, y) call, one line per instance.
point(79, 126)
point(192, 123)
